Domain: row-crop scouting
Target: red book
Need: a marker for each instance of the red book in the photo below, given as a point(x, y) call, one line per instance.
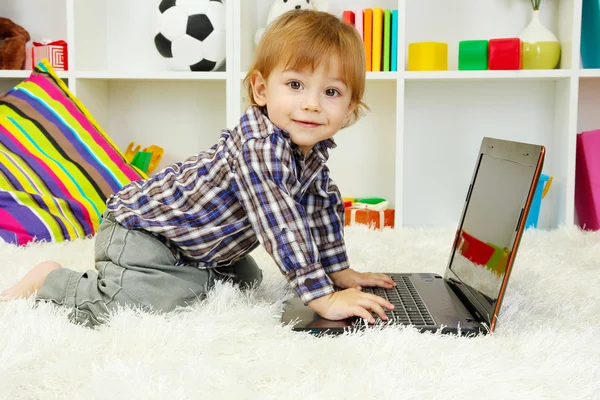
point(348, 16)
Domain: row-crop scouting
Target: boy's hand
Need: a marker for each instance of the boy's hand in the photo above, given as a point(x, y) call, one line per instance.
point(349, 278)
point(350, 303)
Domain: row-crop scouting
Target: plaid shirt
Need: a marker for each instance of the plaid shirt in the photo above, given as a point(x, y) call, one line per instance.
point(252, 187)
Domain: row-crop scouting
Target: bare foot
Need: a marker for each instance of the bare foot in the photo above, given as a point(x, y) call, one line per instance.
point(31, 283)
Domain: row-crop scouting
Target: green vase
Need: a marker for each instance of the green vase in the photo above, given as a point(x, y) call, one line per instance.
point(540, 49)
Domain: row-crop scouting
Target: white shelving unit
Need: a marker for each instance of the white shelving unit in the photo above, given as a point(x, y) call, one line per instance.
point(416, 147)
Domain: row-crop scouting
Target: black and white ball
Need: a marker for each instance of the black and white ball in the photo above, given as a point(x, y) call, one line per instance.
point(191, 34)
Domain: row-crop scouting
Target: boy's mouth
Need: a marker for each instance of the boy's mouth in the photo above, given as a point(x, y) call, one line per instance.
point(307, 124)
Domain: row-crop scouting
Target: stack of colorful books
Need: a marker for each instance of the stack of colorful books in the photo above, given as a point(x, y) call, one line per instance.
point(378, 28)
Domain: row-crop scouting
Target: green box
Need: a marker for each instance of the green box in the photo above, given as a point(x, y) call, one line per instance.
point(472, 55)
point(141, 159)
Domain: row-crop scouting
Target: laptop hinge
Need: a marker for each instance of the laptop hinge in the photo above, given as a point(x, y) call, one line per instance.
point(469, 302)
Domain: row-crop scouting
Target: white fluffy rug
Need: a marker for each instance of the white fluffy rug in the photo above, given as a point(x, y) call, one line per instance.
point(232, 346)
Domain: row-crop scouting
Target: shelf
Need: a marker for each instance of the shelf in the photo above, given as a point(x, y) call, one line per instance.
point(153, 76)
point(488, 75)
point(24, 73)
point(382, 76)
point(589, 73)
point(422, 129)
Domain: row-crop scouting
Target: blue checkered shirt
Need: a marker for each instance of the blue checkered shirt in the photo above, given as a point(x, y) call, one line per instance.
point(252, 187)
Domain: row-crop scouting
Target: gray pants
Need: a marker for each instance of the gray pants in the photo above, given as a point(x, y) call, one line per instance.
point(135, 269)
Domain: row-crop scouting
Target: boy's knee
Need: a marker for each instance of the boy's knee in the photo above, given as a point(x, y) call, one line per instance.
point(47, 266)
point(42, 271)
point(247, 272)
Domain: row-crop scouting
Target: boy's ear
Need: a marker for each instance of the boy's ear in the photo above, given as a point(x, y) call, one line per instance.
point(259, 88)
point(351, 109)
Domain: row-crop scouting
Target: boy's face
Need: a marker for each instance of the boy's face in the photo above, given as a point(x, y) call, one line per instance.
point(311, 106)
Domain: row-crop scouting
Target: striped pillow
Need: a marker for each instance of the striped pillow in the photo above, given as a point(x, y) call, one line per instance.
point(57, 165)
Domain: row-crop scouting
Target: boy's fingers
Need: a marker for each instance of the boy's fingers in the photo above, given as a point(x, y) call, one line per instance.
point(383, 302)
point(387, 279)
point(363, 313)
point(374, 306)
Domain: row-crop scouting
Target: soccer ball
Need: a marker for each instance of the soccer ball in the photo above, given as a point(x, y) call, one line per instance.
point(190, 34)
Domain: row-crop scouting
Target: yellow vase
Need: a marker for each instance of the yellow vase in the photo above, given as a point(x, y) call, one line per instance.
point(540, 49)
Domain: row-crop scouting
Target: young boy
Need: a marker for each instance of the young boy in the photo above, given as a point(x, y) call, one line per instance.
point(164, 241)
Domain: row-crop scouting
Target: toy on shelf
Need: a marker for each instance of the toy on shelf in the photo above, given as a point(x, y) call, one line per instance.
point(504, 54)
point(540, 49)
point(56, 52)
point(541, 190)
point(13, 39)
point(428, 56)
point(279, 7)
point(587, 180)
point(146, 159)
point(372, 211)
point(473, 55)
point(191, 35)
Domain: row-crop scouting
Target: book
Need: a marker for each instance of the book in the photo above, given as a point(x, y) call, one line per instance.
point(387, 28)
point(368, 37)
point(358, 21)
point(377, 39)
point(394, 42)
point(348, 16)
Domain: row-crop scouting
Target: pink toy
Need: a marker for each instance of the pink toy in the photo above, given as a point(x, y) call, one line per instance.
point(587, 180)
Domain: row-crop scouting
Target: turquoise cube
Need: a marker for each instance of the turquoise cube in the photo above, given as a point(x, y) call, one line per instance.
point(473, 55)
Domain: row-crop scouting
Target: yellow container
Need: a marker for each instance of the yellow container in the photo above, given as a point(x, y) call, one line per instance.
point(428, 56)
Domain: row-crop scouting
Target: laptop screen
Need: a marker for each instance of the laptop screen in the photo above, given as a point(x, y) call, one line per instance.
point(486, 236)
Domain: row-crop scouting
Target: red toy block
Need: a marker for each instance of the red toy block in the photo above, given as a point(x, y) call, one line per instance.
point(504, 54)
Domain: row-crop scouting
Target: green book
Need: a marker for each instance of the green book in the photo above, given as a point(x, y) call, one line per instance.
point(387, 28)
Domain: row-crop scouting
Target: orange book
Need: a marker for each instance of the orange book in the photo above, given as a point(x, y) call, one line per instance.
point(368, 36)
point(376, 51)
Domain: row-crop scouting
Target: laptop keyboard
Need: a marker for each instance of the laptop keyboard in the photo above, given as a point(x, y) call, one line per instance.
point(409, 308)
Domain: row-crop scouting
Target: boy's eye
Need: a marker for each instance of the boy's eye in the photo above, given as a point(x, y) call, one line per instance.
point(295, 85)
point(332, 92)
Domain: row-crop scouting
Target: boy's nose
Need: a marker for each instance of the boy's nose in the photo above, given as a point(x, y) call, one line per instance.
point(311, 103)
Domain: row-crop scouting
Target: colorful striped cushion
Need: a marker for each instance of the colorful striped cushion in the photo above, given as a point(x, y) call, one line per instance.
point(57, 165)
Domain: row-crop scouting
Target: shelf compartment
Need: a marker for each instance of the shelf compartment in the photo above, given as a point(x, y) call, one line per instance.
point(454, 21)
point(183, 117)
point(42, 19)
point(370, 171)
point(109, 37)
point(444, 126)
point(253, 16)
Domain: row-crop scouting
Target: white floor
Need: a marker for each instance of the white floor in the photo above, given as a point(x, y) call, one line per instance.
point(232, 346)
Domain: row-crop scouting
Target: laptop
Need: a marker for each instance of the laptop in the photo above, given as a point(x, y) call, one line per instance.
point(467, 299)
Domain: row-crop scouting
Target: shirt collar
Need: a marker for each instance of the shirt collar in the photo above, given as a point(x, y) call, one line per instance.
point(260, 115)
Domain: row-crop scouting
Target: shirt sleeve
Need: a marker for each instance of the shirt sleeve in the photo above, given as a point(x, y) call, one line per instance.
point(325, 209)
point(264, 183)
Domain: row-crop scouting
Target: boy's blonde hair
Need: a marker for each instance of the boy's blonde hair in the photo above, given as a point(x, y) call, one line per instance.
point(307, 38)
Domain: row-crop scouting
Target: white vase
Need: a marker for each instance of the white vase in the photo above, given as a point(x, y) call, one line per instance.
point(540, 49)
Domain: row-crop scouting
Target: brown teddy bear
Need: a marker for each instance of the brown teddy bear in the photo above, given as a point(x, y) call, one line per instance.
point(13, 39)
